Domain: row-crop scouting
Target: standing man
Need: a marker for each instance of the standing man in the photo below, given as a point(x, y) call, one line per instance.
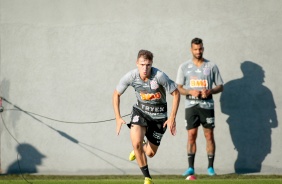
point(195, 79)
point(149, 114)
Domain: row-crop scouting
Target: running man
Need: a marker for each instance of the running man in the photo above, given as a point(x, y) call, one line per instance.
point(149, 114)
point(195, 79)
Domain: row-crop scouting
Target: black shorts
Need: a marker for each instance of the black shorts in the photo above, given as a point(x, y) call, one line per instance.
point(155, 130)
point(196, 116)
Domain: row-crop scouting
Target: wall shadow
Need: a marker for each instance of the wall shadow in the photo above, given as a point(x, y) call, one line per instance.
point(29, 158)
point(251, 110)
point(27, 165)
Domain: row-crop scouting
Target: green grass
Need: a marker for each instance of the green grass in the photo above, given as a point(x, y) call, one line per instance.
point(133, 179)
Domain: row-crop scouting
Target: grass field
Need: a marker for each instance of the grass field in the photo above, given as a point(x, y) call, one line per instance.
point(133, 179)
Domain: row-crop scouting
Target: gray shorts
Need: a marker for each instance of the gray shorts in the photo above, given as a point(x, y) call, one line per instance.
point(196, 116)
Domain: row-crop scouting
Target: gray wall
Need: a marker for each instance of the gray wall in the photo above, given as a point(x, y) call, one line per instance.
point(62, 60)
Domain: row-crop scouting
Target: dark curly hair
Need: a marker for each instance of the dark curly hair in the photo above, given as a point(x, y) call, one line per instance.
point(197, 41)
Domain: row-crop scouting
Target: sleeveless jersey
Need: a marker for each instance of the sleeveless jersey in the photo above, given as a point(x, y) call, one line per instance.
point(151, 95)
point(197, 78)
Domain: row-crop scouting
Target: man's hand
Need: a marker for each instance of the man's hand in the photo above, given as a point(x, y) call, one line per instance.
point(195, 93)
point(170, 122)
point(119, 122)
point(206, 92)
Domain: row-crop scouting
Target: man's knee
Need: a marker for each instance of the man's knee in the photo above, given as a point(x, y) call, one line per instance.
point(209, 136)
point(150, 153)
point(138, 146)
point(151, 150)
point(192, 137)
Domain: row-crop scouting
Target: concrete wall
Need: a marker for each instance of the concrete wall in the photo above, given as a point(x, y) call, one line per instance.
point(62, 60)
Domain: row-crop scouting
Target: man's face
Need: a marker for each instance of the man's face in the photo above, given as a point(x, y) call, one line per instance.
point(197, 51)
point(144, 67)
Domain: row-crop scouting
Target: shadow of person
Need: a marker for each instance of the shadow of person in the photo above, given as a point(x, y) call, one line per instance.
point(29, 159)
point(251, 109)
point(17, 168)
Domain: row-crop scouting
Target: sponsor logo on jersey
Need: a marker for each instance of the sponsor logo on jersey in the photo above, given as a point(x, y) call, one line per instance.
point(150, 109)
point(154, 84)
point(198, 71)
point(150, 96)
point(146, 85)
point(198, 83)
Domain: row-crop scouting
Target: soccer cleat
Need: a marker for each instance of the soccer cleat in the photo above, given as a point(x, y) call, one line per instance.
point(132, 156)
point(148, 181)
point(189, 171)
point(211, 171)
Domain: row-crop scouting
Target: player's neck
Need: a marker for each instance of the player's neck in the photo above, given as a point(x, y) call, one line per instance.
point(145, 77)
point(198, 62)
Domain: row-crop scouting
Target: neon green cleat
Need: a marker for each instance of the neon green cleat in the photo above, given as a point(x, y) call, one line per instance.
point(148, 181)
point(132, 156)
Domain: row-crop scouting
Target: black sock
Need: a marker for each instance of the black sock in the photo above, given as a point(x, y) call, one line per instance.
point(211, 160)
point(145, 171)
point(191, 158)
